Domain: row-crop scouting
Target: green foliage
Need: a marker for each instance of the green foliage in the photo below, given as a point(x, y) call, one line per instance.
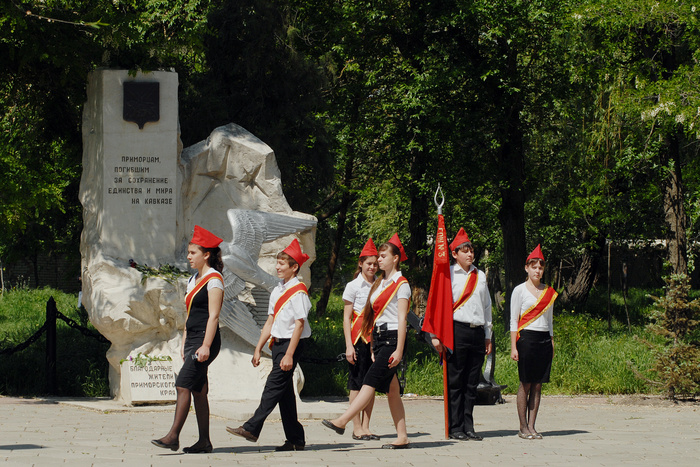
point(167, 272)
point(675, 319)
point(327, 341)
point(81, 363)
point(588, 358)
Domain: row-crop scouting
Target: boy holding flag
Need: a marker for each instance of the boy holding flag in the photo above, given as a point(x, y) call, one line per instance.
point(471, 335)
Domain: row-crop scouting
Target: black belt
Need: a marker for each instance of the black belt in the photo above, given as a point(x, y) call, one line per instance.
point(470, 325)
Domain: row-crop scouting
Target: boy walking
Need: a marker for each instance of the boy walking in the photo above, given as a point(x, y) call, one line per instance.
point(287, 325)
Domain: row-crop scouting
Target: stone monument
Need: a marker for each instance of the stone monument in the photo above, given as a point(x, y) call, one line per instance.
point(142, 194)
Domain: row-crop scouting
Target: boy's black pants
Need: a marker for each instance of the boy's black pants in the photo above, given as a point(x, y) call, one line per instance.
point(279, 389)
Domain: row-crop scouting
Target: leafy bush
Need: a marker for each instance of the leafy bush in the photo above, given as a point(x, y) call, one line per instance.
point(675, 319)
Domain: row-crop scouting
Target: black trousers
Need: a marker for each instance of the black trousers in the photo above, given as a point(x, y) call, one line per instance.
point(279, 389)
point(463, 370)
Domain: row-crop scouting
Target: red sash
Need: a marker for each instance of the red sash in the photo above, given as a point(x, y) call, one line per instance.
point(199, 286)
point(286, 296)
point(544, 301)
point(282, 301)
point(357, 327)
point(381, 302)
point(469, 287)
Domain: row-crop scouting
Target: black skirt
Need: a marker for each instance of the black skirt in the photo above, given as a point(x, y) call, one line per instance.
point(193, 374)
point(534, 356)
point(357, 371)
point(379, 375)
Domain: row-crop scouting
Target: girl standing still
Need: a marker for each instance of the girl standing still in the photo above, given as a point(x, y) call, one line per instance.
point(358, 350)
point(531, 342)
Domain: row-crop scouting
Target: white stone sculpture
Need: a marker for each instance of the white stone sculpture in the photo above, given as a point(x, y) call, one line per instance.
point(230, 184)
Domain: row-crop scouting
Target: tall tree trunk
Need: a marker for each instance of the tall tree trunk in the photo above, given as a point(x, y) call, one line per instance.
point(512, 212)
point(579, 285)
point(322, 303)
point(674, 209)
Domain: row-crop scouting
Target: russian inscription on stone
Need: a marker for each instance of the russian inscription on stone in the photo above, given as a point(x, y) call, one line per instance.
point(154, 382)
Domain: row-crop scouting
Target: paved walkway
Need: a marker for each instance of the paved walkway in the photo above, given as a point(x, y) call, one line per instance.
point(577, 431)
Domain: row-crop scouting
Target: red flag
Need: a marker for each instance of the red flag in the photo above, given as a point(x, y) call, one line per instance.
point(438, 310)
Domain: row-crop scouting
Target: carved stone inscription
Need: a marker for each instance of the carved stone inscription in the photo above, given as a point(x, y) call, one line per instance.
point(153, 382)
point(139, 170)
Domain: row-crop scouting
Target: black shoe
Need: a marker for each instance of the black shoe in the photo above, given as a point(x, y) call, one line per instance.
point(361, 437)
point(242, 432)
point(201, 449)
point(458, 435)
point(173, 446)
point(329, 424)
point(287, 446)
point(396, 446)
point(471, 436)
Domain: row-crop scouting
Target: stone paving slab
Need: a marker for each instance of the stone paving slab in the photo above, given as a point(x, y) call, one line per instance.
point(578, 431)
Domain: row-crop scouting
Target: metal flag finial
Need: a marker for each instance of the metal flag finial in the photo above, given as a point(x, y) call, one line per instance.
point(435, 198)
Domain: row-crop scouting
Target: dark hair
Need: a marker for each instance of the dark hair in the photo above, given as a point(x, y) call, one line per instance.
point(368, 311)
point(290, 261)
point(464, 245)
point(359, 262)
point(214, 260)
point(534, 260)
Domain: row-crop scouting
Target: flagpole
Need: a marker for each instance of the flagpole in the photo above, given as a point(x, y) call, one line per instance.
point(446, 404)
point(443, 354)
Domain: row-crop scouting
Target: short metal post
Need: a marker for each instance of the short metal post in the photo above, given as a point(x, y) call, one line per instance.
point(51, 380)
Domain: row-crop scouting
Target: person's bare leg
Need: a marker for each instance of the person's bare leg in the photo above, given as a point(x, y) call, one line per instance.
point(182, 408)
point(533, 406)
point(359, 402)
point(357, 419)
point(522, 404)
point(201, 408)
point(366, 415)
point(397, 412)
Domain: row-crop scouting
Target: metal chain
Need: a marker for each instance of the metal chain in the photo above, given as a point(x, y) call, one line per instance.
point(26, 343)
point(83, 330)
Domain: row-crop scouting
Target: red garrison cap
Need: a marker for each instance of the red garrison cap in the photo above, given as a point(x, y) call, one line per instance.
point(294, 250)
point(536, 254)
point(369, 249)
point(395, 241)
point(460, 238)
point(204, 238)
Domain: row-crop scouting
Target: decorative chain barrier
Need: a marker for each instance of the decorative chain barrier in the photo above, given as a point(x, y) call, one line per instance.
point(26, 343)
point(83, 330)
point(71, 323)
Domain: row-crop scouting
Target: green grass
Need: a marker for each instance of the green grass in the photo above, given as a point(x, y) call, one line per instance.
point(81, 364)
point(589, 358)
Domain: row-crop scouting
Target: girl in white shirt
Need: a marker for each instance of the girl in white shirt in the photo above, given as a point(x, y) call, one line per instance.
point(531, 343)
point(385, 315)
point(358, 350)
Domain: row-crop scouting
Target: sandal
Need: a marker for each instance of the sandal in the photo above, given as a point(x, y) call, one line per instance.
point(525, 436)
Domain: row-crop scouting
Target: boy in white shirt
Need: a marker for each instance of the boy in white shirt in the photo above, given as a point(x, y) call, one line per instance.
point(287, 324)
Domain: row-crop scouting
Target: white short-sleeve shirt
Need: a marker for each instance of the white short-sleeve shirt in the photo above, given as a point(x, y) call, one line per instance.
point(390, 317)
point(212, 284)
point(296, 308)
point(357, 292)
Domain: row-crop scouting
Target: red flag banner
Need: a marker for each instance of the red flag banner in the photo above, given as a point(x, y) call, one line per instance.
point(438, 310)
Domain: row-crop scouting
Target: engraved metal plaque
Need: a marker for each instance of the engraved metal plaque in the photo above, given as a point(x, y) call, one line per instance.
point(141, 102)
